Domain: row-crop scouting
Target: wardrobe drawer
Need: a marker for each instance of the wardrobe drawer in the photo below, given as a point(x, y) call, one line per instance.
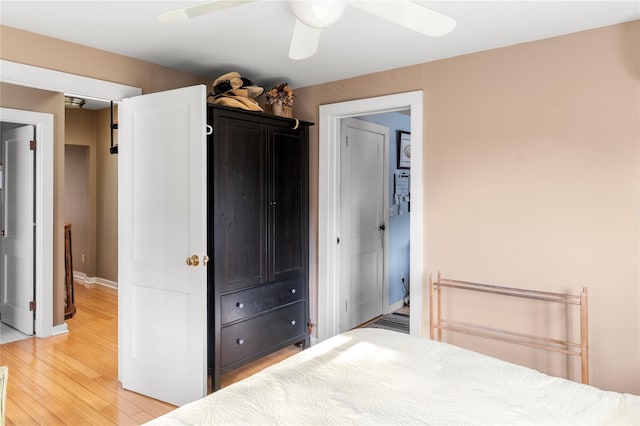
point(246, 338)
point(244, 304)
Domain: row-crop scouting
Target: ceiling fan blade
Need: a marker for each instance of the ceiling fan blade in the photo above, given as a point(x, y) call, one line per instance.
point(199, 10)
point(410, 15)
point(304, 41)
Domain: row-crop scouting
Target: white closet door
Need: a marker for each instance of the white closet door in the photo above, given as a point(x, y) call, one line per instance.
point(162, 223)
point(362, 226)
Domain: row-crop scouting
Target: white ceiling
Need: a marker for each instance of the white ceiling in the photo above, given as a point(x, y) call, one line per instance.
point(254, 38)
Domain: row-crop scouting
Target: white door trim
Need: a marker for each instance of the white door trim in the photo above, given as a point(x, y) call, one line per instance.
point(44, 213)
point(329, 197)
point(57, 81)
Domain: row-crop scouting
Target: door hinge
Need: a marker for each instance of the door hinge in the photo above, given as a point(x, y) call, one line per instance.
point(338, 240)
point(347, 141)
point(32, 145)
point(32, 305)
point(346, 306)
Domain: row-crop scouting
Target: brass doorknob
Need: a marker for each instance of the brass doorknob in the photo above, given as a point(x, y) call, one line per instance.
point(193, 260)
point(205, 260)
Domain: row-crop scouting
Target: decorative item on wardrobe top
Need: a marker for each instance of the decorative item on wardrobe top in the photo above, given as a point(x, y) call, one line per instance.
point(233, 90)
point(280, 100)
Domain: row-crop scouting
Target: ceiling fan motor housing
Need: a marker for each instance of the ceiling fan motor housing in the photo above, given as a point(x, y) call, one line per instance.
point(319, 13)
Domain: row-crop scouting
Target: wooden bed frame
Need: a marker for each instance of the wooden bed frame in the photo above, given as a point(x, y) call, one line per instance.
point(437, 323)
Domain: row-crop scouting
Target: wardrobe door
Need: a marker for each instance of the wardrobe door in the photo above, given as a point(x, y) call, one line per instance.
point(288, 204)
point(240, 204)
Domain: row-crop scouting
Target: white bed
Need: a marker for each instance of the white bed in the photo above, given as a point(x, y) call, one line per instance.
point(375, 376)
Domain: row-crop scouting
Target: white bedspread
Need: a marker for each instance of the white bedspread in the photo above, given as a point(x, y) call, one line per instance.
point(375, 376)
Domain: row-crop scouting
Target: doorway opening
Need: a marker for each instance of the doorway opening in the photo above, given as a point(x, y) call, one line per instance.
point(54, 81)
point(396, 208)
point(329, 204)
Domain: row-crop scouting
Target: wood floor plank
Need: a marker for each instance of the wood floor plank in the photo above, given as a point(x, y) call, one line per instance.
point(72, 378)
point(16, 415)
point(39, 412)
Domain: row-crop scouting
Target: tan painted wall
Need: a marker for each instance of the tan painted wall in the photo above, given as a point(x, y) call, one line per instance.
point(80, 130)
point(531, 180)
point(76, 202)
point(51, 103)
point(92, 128)
point(37, 50)
point(107, 187)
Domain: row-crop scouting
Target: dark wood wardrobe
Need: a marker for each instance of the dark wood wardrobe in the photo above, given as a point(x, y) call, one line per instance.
point(257, 173)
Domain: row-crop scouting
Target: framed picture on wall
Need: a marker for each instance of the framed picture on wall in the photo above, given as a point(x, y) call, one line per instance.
point(404, 150)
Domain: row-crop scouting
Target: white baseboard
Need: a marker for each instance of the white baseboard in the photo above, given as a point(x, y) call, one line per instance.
point(60, 329)
point(82, 277)
point(106, 283)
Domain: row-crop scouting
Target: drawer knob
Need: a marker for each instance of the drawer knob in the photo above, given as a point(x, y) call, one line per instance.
point(293, 291)
point(293, 322)
point(240, 305)
point(240, 341)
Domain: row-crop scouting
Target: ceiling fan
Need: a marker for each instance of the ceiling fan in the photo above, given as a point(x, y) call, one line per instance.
point(314, 15)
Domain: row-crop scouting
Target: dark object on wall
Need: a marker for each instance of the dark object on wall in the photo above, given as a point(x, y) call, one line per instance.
point(69, 299)
point(258, 234)
point(404, 149)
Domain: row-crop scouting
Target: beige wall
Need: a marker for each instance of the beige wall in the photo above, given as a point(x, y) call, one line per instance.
point(76, 202)
point(92, 128)
point(34, 49)
point(531, 179)
point(80, 131)
point(51, 103)
point(107, 187)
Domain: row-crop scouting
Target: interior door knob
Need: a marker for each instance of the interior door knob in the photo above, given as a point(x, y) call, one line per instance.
point(205, 260)
point(193, 260)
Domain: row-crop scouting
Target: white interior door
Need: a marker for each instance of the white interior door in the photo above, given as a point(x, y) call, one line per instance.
point(362, 222)
point(162, 212)
point(18, 229)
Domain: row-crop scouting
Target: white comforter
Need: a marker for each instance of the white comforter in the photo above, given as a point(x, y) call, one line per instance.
point(374, 376)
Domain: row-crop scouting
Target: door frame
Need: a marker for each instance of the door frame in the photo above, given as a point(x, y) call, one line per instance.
point(329, 201)
point(61, 82)
point(43, 124)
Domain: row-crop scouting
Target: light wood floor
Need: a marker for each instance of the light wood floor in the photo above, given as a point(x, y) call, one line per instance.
point(72, 378)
